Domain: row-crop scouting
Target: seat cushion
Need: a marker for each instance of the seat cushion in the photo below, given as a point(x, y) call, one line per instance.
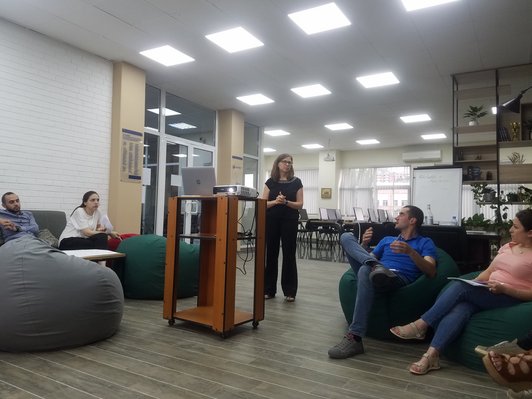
point(145, 265)
point(401, 306)
point(49, 300)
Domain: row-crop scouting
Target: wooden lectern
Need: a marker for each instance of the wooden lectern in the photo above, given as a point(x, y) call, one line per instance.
point(218, 235)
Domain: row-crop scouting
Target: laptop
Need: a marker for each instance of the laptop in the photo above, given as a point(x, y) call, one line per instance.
point(383, 217)
point(359, 214)
point(372, 216)
point(331, 214)
point(323, 214)
point(198, 180)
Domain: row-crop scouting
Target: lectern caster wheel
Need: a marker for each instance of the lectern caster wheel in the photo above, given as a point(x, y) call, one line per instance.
point(171, 322)
point(255, 324)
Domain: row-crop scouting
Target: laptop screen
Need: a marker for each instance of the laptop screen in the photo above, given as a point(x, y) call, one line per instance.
point(198, 180)
point(359, 214)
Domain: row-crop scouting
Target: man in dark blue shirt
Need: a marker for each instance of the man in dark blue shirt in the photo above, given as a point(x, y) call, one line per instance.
point(395, 262)
point(15, 223)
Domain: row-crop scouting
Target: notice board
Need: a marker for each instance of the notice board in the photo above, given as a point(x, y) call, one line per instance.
point(441, 187)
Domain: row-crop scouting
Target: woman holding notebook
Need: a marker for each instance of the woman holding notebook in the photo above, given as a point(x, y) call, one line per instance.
point(508, 281)
point(86, 227)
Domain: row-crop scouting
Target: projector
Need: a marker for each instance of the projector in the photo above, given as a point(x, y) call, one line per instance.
point(235, 189)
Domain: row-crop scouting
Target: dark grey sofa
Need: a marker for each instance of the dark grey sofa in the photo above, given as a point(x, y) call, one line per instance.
point(54, 221)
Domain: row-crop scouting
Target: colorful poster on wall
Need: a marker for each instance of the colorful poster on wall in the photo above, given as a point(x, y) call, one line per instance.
point(131, 162)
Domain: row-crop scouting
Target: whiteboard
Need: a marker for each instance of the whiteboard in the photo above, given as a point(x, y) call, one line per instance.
point(442, 189)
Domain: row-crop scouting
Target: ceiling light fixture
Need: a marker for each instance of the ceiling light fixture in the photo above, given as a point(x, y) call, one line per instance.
point(415, 118)
point(182, 125)
point(433, 136)
point(275, 133)
point(368, 142)
point(268, 149)
point(167, 55)
point(311, 146)
point(320, 19)
point(339, 126)
point(311, 91)
point(234, 40)
point(166, 111)
point(255, 99)
point(412, 5)
point(378, 80)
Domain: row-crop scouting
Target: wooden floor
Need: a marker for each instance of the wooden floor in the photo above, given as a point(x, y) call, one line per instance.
point(285, 357)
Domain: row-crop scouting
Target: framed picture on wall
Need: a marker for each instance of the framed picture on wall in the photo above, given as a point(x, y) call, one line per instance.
point(326, 193)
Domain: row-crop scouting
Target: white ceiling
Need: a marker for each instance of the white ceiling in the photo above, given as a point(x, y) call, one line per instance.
point(423, 48)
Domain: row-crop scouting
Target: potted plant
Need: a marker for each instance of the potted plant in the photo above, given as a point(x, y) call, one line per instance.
point(476, 222)
point(474, 113)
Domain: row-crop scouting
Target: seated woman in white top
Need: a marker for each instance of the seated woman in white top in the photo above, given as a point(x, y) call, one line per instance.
point(86, 227)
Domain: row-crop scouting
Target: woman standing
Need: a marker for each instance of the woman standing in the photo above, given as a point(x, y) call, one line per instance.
point(86, 227)
point(284, 194)
point(507, 282)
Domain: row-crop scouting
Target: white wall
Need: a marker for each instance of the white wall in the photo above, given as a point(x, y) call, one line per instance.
point(55, 111)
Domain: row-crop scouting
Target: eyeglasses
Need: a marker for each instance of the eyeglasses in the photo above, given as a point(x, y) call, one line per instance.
point(287, 162)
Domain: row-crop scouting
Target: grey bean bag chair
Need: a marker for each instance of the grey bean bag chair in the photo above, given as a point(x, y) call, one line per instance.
point(49, 300)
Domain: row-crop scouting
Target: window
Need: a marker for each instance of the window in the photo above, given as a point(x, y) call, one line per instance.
point(369, 187)
point(309, 178)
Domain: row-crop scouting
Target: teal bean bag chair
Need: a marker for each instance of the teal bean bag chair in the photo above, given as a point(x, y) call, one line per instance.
point(144, 265)
point(50, 300)
point(401, 306)
point(488, 328)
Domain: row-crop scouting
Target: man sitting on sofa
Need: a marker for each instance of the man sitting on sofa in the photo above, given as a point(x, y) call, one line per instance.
point(15, 223)
point(394, 263)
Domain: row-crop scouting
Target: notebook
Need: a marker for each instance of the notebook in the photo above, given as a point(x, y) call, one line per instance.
point(198, 180)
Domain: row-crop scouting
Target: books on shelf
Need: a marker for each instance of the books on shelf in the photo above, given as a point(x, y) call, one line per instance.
point(503, 135)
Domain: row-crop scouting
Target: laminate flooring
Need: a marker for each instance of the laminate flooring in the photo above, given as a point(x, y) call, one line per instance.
point(285, 357)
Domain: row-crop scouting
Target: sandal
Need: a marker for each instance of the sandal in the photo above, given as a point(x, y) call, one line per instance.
point(515, 372)
point(426, 364)
point(408, 331)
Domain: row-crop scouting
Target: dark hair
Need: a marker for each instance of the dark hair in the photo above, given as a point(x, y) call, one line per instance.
point(525, 217)
point(5, 195)
point(415, 212)
point(84, 199)
point(275, 173)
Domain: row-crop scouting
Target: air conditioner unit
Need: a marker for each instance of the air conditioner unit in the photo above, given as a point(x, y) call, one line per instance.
point(422, 156)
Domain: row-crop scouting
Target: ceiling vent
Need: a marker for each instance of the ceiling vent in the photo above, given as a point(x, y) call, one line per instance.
point(422, 156)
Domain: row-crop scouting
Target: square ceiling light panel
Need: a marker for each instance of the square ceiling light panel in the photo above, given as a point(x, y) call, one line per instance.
point(167, 55)
point(276, 132)
point(433, 136)
point(255, 99)
point(368, 142)
point(234, 40)
point(320, 19)
point(268, 149)
point(412, 5)
point(166, 111)
point(415, 118)
point(378, 80)
point(311, 146)
point(311, 91)
point(182, 125)
point(339, 126)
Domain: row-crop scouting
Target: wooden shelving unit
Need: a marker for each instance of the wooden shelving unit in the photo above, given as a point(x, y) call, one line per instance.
point(218, 238)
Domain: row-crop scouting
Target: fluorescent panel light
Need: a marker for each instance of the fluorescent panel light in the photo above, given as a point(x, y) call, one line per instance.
point(166, 111)
point(311, 146)
point(368, 142)
point(180, 155)
point(255, 99)
point(377, 80)
point(267, 149)
point(182, 125)
point(167, 55)
point(233, 40)
point(320, 19)
point(433, 136)
point(415, 118)
point(411, 5)
point(277, 132)
point(339, 126)
point(311, 91)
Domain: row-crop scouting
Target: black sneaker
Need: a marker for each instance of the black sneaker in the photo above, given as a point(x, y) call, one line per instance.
point(346, 348)
point(383, 279)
